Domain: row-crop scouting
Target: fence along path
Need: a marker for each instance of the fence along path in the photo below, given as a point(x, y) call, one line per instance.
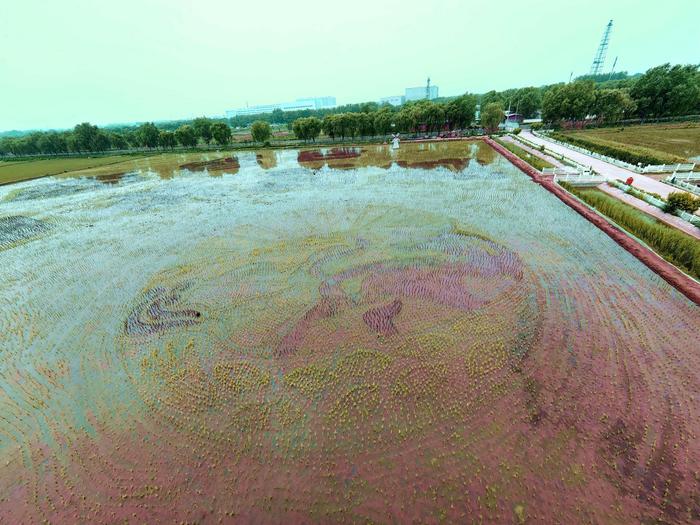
point(606, 169)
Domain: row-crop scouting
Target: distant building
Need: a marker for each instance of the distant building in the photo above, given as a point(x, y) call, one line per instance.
point(395, 100)
point(419, 93)
point(297, 105)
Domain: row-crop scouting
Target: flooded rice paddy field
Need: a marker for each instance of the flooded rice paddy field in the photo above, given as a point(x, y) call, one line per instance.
point(337, 335)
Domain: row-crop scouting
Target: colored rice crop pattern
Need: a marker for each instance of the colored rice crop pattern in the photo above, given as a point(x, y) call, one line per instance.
point(672, 244)
point(648, 144)
point(295, 344)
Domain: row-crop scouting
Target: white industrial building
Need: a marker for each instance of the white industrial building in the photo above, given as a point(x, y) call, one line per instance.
point(426, 92)
point(297, 105)
point(421, 93)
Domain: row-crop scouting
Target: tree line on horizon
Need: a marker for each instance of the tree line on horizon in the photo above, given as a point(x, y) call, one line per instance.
point(663, 91)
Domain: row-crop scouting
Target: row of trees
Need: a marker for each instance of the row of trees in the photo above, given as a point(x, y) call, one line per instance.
point(525, 101)
point(87, 137)
point(663, 91)
point(288, 117)
point(420, 116)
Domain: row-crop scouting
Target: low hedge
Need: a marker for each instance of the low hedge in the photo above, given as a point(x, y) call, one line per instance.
point(631, 154)
point(672, 244)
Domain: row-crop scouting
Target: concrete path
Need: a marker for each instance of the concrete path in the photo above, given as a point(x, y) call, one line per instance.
point(607, 170)
point(667, 218)
point(534, 152)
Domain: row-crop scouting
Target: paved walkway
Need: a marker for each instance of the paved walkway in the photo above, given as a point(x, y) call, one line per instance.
point(532, 151)
point(607, 170)
point(669, 219)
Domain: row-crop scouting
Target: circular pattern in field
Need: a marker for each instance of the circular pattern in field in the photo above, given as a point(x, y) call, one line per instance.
point(304, 344)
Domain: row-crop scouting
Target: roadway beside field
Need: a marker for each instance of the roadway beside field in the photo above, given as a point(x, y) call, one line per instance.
point(607, 170)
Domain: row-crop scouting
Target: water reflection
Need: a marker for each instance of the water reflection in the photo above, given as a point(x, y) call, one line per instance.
point(266, 159)
point(111, 178)
point(453, 155)
point(164, 165)
point(227, 164)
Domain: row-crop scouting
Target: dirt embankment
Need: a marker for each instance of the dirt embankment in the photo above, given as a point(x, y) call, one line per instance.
point(672, 275)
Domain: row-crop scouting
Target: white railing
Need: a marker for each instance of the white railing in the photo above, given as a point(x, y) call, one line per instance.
point(657, 168)
point(560, 171)
point(658, 203)
point(690, 175)
point(550, 153)
point(580, 179)
point(692, 219)
point(590, 153)
point(675, 181)
point(664, 168)
point(649, 199)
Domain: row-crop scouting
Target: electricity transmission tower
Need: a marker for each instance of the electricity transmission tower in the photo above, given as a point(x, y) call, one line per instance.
point(597, 67)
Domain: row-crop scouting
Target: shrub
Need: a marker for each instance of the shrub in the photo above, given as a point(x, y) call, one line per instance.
point(680, 200)
point(536, 125)
point(517, 131)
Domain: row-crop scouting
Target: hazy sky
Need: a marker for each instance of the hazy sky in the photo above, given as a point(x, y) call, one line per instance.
point(67, 61)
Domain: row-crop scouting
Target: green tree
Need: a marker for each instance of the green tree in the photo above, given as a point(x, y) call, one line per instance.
point(84, 136)
point(313, 127)
point(611, 105)
point(101, 141)
point(527, 101)
point(186, 136)
point(261, 131)
point(432, 114)
point(345, 125)
point(368, 107)
point(406, 119)
point(148, 135)
point(459, 112)
point(491, 96)
point(329, 125)
point(307, 128)
point(352, 124)
point(571, 101)
point(277, 116)
point(118, 141)
point(202, 128)
point(365, 125)
point(221, 132)
point(491, 116)
point(52, 143)
point(383, 120)
point(166, 139)
point(667, 91)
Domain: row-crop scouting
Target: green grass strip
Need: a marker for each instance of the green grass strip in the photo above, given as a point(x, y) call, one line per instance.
point(673, 245)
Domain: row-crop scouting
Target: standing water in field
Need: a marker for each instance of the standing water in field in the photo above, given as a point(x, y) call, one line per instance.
point(335, 335)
